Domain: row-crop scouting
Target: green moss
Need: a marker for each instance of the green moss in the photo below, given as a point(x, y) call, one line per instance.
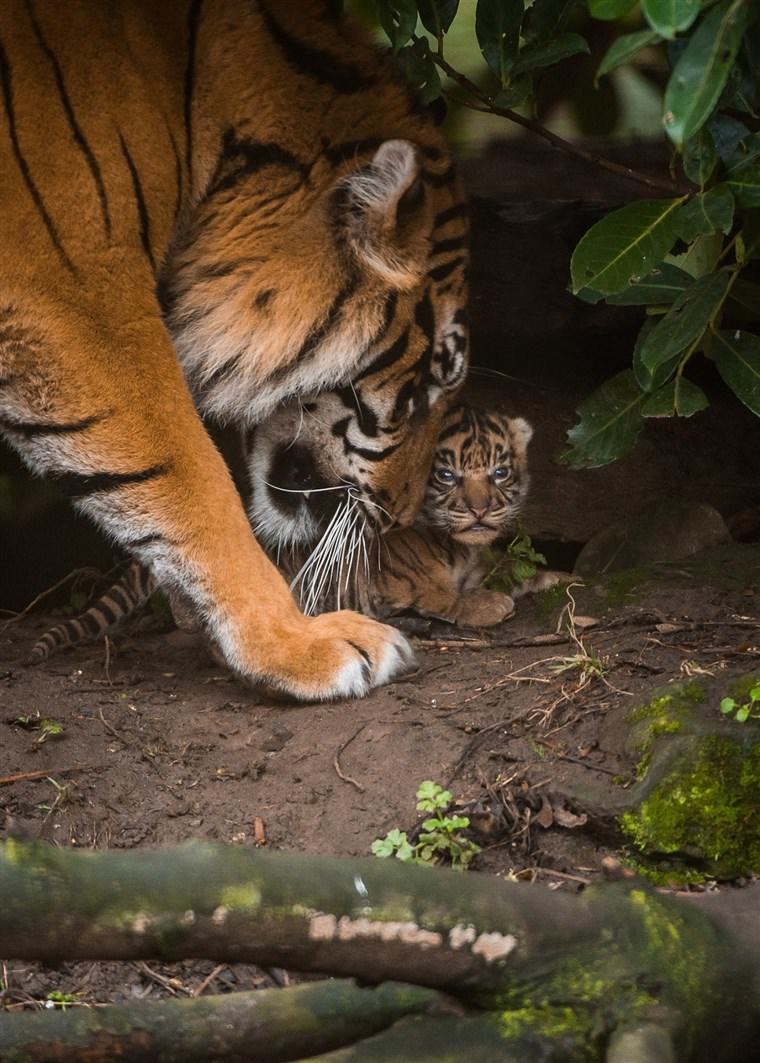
point(547, 603)
point(621, 586)
point(705, 810)
point(547, 1020)
point(242, 897)
point(666, 713)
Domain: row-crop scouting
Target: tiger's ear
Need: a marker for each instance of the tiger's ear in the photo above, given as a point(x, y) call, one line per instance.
point(387, 214)
point(521, 433)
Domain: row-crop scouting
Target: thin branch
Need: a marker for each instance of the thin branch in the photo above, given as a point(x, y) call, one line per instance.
point(535, 127)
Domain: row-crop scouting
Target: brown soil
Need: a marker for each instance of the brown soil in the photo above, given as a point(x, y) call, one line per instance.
point(160, 745)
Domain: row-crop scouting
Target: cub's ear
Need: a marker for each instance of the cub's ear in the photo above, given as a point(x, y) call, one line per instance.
point(521, 433)
point(387, 216)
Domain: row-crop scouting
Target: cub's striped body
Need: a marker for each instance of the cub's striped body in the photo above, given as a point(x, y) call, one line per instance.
point(265, 170)
point(303, 507)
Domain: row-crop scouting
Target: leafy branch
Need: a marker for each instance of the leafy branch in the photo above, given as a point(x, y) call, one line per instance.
point(688, 259)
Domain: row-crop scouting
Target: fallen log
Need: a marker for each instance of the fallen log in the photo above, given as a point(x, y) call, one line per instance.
point(618, 972)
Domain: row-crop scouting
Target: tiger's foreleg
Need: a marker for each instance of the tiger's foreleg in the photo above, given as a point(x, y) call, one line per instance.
point(99, 402)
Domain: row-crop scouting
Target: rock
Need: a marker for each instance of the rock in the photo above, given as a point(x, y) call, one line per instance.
point(664, 530)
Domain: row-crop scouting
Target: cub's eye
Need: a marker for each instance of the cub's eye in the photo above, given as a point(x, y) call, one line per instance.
point(500, 474)
point(445, 476)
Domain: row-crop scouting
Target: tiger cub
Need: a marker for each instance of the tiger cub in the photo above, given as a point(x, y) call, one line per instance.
point(303, 510)
point(474, 494)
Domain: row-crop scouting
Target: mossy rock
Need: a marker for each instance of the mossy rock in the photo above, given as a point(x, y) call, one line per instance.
point(694, 812)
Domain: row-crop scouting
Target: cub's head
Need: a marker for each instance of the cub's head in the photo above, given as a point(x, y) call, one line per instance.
point(479, 478)
point(307, 486)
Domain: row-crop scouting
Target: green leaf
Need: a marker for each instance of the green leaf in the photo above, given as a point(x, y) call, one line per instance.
point(745, 151)
point(727, 134)
point(664, 284)
point(687, 319)
point(702, 257)
point(497, 27)
point(742, 714)
point(515, 94)
point(708, 212)
point(546, 18)
point(625, 48)
point(398, 19)
point(610, 423)
point(744, 182)
point(737, 356)
point(747, 295)
point(421, 71)
point(669, 17)
point(703, 68)
point(624, 246)
point(650, 380)
point(678, 398)
point(699, 157)
point(437, 15)
point(608, 10)
point(535, 56)
point(727, 705)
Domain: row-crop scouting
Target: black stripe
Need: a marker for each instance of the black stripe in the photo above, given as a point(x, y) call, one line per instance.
point(193, 19)
point(317, 335)
point(86, 624)
point(177, 172)
point(142, 210)
point(388, 358)
point(322, 67)
point(459, 210)
point(6, 79)
point(79, 137)
point(456, 243)
point(81, 485)
point(146, 540)
point(123, 599)
point(350, 149)
point(30, 429)
point(107, 612)
point(439, 273)
point(248, 156)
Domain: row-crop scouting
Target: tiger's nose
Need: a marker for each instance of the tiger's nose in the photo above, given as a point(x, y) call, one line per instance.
point(478, 512)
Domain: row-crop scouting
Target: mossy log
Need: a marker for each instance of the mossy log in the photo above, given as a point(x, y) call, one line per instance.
point(532, 974)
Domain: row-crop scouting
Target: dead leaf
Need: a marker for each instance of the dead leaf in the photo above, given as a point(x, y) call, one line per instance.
point(564, 818)
point(545, 815)
point(585, 622)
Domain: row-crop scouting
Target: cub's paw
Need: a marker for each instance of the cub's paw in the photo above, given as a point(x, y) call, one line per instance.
point(339, 655)
point(484, 608)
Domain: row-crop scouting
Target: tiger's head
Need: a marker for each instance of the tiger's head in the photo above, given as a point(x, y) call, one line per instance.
point(479, 478)
point(350, 274)
point(304, 482)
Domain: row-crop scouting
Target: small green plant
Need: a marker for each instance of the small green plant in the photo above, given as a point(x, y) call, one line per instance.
point(743, 710)
point(590, 667)
point(440, 836)
point(56, 999)
point(47, 728)
point(512, 566)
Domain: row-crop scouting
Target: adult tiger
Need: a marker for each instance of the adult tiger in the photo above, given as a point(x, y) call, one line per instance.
point(266, 170)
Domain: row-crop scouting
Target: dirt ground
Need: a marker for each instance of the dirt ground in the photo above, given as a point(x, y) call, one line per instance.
point(159, 745)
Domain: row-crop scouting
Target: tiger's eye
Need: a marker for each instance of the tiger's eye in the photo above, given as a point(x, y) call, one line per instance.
point(500, 474)
point(446, 476)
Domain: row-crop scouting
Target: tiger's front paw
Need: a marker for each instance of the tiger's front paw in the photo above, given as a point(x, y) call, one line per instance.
point(335, 655)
